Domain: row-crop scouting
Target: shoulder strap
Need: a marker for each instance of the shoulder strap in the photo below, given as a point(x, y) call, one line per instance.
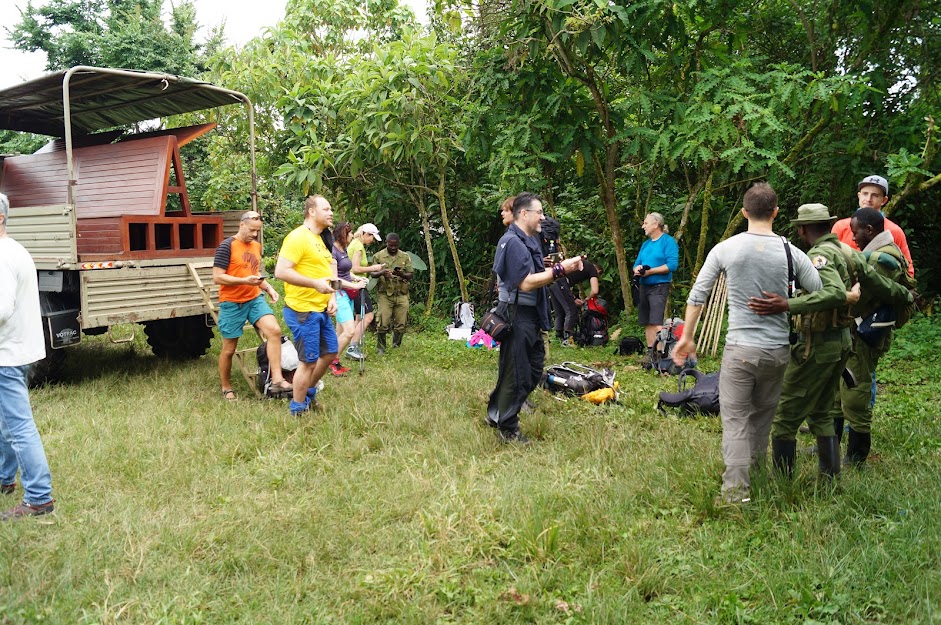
point(790, 268)
point(847, 252)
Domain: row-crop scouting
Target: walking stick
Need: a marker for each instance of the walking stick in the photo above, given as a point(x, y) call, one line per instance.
point(362, 333)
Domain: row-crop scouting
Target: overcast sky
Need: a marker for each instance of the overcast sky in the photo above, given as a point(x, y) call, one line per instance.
point(243, 20)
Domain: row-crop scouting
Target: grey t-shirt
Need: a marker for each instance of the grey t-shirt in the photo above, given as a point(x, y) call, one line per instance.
point(753, 263)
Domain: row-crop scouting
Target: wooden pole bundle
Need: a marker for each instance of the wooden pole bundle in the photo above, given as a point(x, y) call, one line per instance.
point(713, 318)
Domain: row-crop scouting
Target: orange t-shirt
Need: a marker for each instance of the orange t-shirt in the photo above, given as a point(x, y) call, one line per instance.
point(240, 260)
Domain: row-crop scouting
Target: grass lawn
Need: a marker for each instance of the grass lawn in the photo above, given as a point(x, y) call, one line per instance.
point(395, 504)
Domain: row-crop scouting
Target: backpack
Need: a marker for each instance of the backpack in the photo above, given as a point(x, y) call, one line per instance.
point(463, 315)
point(573, 378)
point(667, 337)
point(702, 398)
point(630, 345)
point(289, 362)
point(891, 256)
point(593, 325)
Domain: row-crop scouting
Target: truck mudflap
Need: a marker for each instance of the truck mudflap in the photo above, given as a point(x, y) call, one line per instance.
point(63, 327)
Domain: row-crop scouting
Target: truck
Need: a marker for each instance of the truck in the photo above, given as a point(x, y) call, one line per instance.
point(104, 211)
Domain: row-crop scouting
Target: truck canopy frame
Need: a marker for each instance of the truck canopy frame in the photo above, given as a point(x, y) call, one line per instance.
point(83, 100)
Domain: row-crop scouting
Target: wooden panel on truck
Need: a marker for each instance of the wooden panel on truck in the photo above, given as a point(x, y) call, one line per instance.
point(111, 296)
point(47, 232)
point(116, 179)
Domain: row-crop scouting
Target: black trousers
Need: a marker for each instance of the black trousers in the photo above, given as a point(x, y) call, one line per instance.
point(522, 358)
point(563, 304)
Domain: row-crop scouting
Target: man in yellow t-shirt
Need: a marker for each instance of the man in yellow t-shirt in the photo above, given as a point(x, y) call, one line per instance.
point(306, 266)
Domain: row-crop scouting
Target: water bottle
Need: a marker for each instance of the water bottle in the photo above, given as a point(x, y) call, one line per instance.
point(552, 249)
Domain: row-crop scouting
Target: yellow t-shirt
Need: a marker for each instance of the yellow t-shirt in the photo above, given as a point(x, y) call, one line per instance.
point(311, 259)
point(357, 244)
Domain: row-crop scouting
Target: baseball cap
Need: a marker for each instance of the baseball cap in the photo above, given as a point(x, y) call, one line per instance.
point(373, 230)
point(879, 181)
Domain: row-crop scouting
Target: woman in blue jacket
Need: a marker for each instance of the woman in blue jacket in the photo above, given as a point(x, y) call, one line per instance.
point(658, 258)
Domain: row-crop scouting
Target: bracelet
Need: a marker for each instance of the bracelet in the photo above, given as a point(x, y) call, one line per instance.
point(558, 271)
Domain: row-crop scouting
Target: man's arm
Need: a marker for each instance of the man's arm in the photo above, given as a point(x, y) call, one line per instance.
point(686, 346)
point(286, 272)
point(535, 280)
point(7, 290)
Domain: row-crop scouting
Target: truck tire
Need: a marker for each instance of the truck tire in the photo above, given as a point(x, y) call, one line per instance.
point(183, 338)
point(49, 369)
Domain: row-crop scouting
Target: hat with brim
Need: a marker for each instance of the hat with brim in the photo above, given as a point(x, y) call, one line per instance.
point(370, 228)
point(813, 214)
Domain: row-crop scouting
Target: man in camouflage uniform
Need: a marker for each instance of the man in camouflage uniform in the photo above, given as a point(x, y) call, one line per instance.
point(870, 342)
point(822, 348)
point(392, 287)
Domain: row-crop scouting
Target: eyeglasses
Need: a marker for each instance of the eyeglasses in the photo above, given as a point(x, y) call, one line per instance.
point(538, 212)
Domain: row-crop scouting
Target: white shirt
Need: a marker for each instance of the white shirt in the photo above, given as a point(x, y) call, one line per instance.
point(21, 338)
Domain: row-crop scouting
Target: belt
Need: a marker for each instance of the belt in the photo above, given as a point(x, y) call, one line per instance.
point(830, 334)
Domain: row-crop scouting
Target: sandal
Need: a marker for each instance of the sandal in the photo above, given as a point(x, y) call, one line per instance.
point(229, 395)
point(282, 387)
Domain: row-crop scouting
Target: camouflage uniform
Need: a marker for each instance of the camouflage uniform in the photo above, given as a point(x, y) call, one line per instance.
point(855, 404)
point(393, 296)
point(823, 346)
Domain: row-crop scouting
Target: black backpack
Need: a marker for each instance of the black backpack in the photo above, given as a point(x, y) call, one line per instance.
point(573, 378)
point(702, 398)
point(263, 381)
point(630, 345)
point(592, 329)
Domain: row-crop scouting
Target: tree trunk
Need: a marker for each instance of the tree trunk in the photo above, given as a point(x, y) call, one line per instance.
point(606, 182)
point(419, 200)
point(703, 226)
point(447, 231)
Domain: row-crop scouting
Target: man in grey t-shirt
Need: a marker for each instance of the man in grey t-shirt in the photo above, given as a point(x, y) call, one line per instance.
point(756, 346)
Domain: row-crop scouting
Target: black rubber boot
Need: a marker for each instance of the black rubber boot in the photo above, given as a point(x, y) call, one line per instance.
point(828, 454)
point(783, 455)
point(397, 339)
point(838, 429)
point(381, 343)
point(857, 448)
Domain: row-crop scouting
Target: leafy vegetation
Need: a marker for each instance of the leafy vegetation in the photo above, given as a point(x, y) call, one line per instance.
point(396, 504)
point(609, 110)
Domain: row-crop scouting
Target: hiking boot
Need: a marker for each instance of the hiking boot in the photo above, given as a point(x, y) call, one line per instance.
point(858, 445)
point(568, 342)
point(528, 407)
point(783, 456)
point(24, 509)
point(513, 436)
point(353, 353)
point(337, 369)
point(828, 455)
point(7, 489)
point(299, 408)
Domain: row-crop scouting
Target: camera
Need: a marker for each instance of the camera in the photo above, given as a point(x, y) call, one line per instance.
point(643, 269)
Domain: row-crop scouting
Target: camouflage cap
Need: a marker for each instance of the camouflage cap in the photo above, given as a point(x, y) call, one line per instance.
point(813, 214)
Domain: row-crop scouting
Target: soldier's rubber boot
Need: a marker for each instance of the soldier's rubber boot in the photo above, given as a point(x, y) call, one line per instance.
point(381, 343)
point(828, 454)
point(397, 338)
point(838, 428)
point(857, 448)
point(783, 455)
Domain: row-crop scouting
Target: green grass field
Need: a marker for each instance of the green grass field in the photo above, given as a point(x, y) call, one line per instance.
point(395, 504)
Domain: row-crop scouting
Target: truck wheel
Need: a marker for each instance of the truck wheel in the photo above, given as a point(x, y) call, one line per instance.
point(49, 369)
point(183, 338)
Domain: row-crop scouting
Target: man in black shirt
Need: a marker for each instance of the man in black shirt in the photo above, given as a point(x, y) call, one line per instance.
point(524, 302)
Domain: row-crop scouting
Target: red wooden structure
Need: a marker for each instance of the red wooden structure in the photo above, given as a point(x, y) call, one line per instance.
point(130, 198)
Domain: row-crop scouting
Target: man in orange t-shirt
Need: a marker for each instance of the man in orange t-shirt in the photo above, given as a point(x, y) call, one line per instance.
point(873, 192)
point(236, 269)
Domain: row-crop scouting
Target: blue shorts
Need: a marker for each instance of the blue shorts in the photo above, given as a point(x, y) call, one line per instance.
point(313, 334)
point(232, 316)
point(344, 307)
